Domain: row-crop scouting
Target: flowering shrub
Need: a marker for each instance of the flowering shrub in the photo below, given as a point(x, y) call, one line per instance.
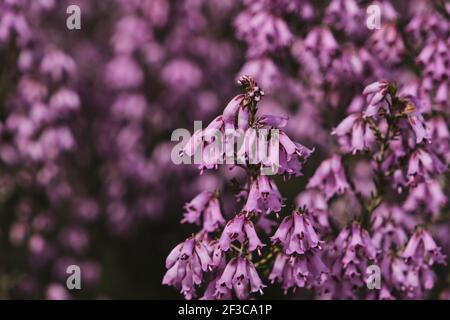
point(358, 105)
point(391, 135)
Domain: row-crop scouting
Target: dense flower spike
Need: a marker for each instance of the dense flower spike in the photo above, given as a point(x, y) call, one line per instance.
point(261, 196)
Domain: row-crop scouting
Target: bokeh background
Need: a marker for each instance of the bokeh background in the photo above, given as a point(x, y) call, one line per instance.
point(86, 118)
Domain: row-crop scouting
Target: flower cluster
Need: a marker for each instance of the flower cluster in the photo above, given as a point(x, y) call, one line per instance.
point(376, 230)
point(85, 158)
point(239, 239)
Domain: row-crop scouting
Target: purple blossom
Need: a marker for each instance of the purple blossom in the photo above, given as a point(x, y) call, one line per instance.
point(236, 110)
point(387, 44)
point(330, 177)
point(240, 229)
point(305, 270)
point(297, 234)
point(376, 93)
point(422, 250)
point(423, 164)
point(355, 251)
point(427, 195)
point(240, 277)
point(205, 206)
point(390, 225)
point(292, 156)
point(186, 264)
point(263, 196)
point(354, 134)
point(315, 201)
point(263, 31)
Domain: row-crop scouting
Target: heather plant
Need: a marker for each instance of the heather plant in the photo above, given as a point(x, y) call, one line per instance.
point(392, 136)
point(86, 171)
point(232, 251)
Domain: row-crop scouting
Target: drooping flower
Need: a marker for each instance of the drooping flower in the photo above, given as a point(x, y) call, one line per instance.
point(240, 277)
point(416, 121)
point(204, 207)
point(240, 229)
point(186, 264)
point(427, 195)
point(315, 201)
point(375, 95)
point(423, 164)
point(263, 196)
point(279, 153)
point(321, 42)
point(263, 31)
point(387, 44)
point(433, 58)
point(354, 134)
point(345, 15)
point(304, 270)
point(206, 146)
point(235, 114)
point(440, 135)
point(330, 177)
point(422, 249)
point(390, 225)
point(292, 156)
point(297, 234)
point(355, 251)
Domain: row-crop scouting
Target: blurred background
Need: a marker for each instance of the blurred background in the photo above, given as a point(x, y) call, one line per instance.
point(86, 118)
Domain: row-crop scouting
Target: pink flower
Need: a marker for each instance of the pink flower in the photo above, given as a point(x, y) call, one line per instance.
point(375, 94)
point(240, 276)
point(292, 156)
point(423, 163)
point(428, 195)
point(354, 134)
point(205, 205)
point(422, 250)
point(354, 252)
point(315, 201)
point(330, 177)
point(186, 264)
point(242, 230)
point(305, 270)
point(297, 234)
point(235, 114)
point(263, 196)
